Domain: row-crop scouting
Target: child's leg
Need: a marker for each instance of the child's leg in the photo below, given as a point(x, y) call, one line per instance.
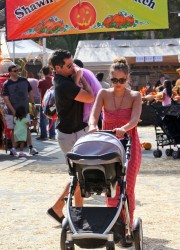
point(14, 144)
point(21, 146)
point(34, 123)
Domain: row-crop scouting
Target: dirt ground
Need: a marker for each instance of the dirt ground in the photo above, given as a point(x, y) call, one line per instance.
point(28, 190)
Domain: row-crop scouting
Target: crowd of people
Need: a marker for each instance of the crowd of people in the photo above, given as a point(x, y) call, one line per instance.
point(17, 92)
point(34, 93)
point(163, 91)
point(82, 100)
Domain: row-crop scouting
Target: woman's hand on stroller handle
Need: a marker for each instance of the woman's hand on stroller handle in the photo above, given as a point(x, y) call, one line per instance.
point(107, 131)
point(120, 132)
point(113, 132)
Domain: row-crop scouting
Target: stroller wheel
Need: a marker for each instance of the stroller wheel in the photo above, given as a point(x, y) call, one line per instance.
point(138, 234)
point(110, 245)
point(175, 154)
point(64, 245)
point(169, 152)
point(157, 153)
point(63, 239)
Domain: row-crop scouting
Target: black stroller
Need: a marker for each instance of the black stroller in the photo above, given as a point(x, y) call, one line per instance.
point(167, 129)
point(99, 161)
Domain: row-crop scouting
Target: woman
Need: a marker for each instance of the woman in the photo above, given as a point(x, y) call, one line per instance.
point(121, 112)
point(167, 93)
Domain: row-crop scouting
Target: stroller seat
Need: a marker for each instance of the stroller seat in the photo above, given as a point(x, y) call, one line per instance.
point(98, 160)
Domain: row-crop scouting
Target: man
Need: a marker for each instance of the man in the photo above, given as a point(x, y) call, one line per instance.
point(100, 76)
point(36, 94)
point(45, 84)
point(69, 104)
point(17, 92)
point(34, 85)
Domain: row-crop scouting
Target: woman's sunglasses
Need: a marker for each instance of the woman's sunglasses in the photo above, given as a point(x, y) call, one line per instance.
point(120, 80)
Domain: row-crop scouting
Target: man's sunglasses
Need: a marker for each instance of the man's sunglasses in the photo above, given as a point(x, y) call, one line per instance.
point(120, 80)
point(15, 70)
point(69, 66)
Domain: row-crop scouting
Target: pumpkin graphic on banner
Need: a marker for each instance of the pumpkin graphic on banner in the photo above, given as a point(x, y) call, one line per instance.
point(83, 15)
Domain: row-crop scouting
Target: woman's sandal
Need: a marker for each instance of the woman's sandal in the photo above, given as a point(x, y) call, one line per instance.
point(51, 212)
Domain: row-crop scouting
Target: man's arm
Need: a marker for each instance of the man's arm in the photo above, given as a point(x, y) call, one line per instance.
point(31, 97)
point(85, 94)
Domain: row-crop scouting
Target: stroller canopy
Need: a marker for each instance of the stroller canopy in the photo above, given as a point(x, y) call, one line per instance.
point(98, 144)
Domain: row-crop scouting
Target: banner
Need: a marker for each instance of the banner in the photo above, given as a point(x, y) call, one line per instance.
point(42, 18)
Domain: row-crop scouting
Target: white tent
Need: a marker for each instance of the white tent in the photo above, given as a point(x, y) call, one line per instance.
point(102, 52)
point(22, 48)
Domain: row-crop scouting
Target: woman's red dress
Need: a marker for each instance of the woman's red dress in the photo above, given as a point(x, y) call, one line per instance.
point(116, 119)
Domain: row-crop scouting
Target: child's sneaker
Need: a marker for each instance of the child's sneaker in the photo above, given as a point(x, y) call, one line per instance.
point(33, 151)
point(13, 151)
point(22, 154)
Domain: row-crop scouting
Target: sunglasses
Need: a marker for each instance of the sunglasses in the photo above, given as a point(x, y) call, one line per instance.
point(69, 66)
point(15, 70)
point(120, 80)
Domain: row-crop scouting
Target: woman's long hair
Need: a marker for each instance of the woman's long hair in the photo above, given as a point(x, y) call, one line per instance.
point(168, 86)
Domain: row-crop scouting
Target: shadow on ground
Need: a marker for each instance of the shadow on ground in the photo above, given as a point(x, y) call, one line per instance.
point(158, 244)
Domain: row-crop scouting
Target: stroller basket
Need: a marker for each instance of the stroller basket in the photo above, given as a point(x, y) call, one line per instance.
point(85, 220)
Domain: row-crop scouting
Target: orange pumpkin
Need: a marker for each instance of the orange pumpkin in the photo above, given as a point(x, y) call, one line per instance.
point(143, 91)
point(83, 15)
point(39, 27)
point(130, 20)
point(119, 19)
point(107, 21)
point(49, 24)
point(57, 25)
point(146, 145)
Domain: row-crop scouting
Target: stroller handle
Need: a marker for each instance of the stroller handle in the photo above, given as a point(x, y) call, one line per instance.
point(108, 131)
point(126, 136)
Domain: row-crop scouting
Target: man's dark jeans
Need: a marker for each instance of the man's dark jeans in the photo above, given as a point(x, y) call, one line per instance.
point(43, 126)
